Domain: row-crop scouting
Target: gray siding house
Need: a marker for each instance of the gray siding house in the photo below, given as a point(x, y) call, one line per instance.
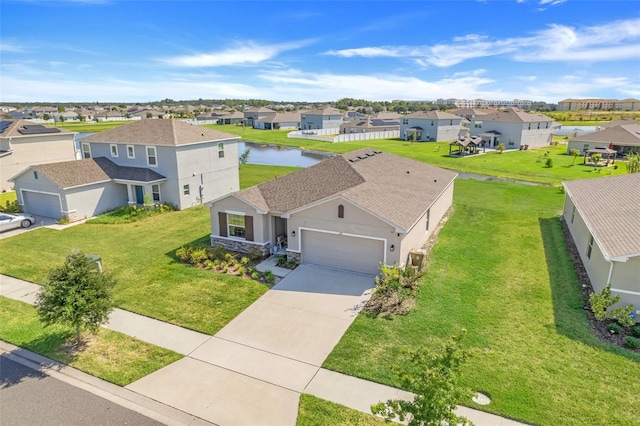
point(168, 160)
point(514, 128)
point(324, 118)
point(603, 216)
point(341, 213)
point(430, 126)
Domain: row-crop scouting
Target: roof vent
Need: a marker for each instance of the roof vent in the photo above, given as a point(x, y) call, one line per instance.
point(377, 152)
point(362, 157)
point(354, 159)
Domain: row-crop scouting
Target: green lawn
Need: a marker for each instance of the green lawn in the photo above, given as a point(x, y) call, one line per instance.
point(7, 196)
point(111, 356)
point(501, 270)
point(84, 127)
point(316, 412)
point(519, 165)
point(141, 254)
point(253, 174)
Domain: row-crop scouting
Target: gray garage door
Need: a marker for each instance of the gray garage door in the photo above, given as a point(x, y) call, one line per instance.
point(338, 251)
point(42, 204)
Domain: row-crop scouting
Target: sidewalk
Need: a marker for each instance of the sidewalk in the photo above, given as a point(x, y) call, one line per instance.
point(196, 375)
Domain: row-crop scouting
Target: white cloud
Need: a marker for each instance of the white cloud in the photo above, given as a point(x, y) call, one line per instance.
point(609, 42)
point(7, 46)
point(240, 54)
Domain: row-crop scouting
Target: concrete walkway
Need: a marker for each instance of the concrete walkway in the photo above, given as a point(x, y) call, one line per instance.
point(254, 369)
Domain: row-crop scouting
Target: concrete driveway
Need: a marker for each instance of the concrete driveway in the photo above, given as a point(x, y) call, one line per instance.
point(254, 369)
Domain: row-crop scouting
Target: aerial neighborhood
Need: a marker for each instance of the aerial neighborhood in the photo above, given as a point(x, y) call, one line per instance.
point(292, 286)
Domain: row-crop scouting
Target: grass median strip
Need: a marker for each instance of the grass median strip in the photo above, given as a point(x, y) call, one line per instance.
point(501, 270)
point(110, 355)
point(317, 411)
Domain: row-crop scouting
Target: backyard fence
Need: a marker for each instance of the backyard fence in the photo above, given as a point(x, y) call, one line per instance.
point(334, 135)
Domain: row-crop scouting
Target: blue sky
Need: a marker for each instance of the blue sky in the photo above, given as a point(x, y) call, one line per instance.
point(136, 51)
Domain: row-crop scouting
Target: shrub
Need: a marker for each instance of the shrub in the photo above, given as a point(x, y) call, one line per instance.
point(244, 260)
point(632, 342)
point(63, 221)
point(254, 254)
point(255, 275)
point(623, 315)
point(635, 331)
point(600, 302)
point(292, 264)
point(198, 255)
point(549, 163)
point(183, 253)
point(210, 264)
point(282, 261)
point(218, 253)
point(269, 277)
point(615, 328)
point(501, 147)
point(11, 207)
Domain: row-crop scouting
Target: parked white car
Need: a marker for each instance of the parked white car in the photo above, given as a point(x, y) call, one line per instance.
point(20, 220)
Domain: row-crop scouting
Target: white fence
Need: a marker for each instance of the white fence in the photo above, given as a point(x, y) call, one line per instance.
point(334, 135)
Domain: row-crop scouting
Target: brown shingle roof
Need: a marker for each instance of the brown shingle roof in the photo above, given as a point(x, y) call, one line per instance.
point(329, 110)
point(159, 132)
point(68, 174)
point(396, 189)
point(514, 115)
point(610, 206)
point(433, 115)
point(628, 134)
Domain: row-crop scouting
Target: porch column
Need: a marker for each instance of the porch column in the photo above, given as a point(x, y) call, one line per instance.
point(131, 195)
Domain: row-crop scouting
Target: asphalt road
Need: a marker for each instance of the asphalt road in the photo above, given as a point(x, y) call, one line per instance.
point(30, 398)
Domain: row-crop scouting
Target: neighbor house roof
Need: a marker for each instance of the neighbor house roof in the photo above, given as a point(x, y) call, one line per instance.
point(617, 123)
point(433, 115)
point(610, 207)
point(20, 128)
point(159, 132)
point(69, 174)
point(396, 189)
point(628, 134)
point(329, 110)
point(287, 117)
point(514, 115)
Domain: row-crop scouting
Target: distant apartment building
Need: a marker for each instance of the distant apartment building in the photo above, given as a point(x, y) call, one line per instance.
point(628, 104)
point(483, 103)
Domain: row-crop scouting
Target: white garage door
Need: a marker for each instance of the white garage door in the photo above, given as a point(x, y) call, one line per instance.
point(41, 204)
point(342, 252)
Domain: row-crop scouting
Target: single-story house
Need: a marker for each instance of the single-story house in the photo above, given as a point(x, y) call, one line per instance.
point(353, 211)
point(370, 125)
point(287, 120)
point(622, 138)
point(23, 143)
point(514, 128)
point(168, 161)
point(603, 216)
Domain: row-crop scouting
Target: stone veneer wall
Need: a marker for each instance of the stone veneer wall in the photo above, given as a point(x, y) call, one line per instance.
point(240, 246)
point(291, 255)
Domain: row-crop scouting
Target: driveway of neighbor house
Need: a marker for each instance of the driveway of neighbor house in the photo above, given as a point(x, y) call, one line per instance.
point(254, 369)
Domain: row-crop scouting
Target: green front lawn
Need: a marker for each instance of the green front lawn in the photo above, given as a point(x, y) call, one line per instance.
point(111, 356)
point(501, 270)
point(315, 411)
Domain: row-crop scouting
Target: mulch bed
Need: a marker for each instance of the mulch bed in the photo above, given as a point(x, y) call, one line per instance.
point(599, 328)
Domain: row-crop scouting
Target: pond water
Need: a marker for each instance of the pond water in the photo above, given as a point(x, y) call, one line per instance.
point(575, 130)
point(278, 155)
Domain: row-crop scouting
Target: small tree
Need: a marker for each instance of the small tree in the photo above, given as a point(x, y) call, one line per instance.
point(574, 153)
point(633, 162)
point(46, 117)
point(244, 157)
point(76, 294)
point(595, 158)
point(501, 147)
point(432, 375)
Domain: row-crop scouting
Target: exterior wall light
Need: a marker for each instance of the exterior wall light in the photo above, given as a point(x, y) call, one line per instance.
point(392, 248)
point(293, 234)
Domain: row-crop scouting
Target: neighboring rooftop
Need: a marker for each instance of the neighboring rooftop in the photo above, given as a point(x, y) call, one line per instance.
point(515, 115)
point(18, 128)
point(329, 110)
point(159, 132)
point(433, 115)
point(376, 181)
point(627, 134)
point(610, 207)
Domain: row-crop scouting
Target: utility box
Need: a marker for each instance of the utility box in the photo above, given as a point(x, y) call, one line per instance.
point(416, 258)
point(96, 259)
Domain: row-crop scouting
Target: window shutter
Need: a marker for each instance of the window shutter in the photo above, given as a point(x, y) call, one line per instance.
point(248, 228)
point(222, 220)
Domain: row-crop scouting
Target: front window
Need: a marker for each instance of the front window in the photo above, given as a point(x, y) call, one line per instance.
point(86, 150)
point(155, 191)
point(220, 150)
point(478, 124)
point(131, 152)
point(235, 222)
point(114, 150)
point(405, 121)
point(152, 160)
point(186, 190)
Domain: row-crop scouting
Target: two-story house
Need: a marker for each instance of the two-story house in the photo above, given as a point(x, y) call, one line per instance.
point(159, 161)
point(253, 114)
point(324, 118)
point(23, 143)
point(429, 126)
point(513, 128)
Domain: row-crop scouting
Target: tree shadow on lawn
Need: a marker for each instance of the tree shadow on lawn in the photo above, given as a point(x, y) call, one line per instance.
point(568, 305)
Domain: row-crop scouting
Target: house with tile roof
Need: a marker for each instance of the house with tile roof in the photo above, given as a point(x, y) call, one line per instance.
point(321, 118)
point(352, 211)
point(603, 216)
point(168, 161)
point(622, 137)
point(514, 128)
point(24, 143)
point(431, 126)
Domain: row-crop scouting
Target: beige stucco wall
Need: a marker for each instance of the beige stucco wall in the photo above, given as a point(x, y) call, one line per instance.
point(31, 150)
point(625, 275)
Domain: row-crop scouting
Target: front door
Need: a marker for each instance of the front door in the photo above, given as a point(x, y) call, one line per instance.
point(139, 194)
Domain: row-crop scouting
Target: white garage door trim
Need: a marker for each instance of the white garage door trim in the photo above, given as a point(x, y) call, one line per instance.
point(56, 214)
point(351, 263)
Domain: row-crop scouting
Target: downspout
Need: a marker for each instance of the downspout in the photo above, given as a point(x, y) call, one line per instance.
point(610, 272)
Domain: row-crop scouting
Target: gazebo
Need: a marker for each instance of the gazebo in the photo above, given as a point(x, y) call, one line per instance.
point(463, 146)
point(608, 154)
